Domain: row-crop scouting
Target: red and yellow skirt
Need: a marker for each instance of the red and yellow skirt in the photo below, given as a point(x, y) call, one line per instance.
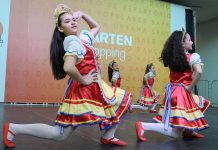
point(186, 110)
point(147, 98)
point(86, 105)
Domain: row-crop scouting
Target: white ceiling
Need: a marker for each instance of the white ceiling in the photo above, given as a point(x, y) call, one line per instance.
point(205, 10)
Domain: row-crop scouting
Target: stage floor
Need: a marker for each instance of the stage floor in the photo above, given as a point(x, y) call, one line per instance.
point(87, 137)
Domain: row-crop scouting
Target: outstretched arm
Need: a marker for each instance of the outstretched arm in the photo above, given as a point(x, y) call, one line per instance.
point(93, 25)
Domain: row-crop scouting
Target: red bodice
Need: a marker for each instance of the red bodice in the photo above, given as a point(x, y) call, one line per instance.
point(151, 81)
point(89, 62)
point(182, 77)
point(119, 82)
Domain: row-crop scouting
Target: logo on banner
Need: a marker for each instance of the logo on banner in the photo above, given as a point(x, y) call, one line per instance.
point(112, 39)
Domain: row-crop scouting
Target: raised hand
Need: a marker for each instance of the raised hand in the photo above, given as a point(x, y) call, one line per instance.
point(78, 15)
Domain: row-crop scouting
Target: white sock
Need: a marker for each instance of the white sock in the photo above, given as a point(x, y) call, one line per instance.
point(109, 133)
point(42, 130)
point(158, 127)
point(153, 106)
point(139, 107)
point(10, 136)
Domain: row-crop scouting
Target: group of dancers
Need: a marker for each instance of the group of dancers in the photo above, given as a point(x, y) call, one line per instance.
point(88, 100)
point(148, 96)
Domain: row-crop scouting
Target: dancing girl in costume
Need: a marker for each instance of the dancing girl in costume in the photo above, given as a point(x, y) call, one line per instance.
point(148, 97)
point(88, 99)
point(114, 74)
point(182, 112)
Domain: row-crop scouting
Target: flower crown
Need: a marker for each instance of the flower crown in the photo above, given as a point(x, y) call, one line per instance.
point(61, 8)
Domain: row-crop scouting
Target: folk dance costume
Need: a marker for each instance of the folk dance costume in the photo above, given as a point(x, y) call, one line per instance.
point(116, 77)
point(97, 103)
point(146, 96)
point(181, 108)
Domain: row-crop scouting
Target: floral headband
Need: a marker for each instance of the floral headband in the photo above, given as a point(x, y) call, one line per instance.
point(61, 8)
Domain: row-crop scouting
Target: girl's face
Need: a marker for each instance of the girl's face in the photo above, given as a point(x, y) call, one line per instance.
point(187, 43)
point(68, 24)
point(152, 69)
point(116, 67)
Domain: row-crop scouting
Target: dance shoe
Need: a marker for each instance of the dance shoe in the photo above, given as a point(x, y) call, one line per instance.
point(7, 142)
point(153, 111)
point(111, 142)
point(191, 134)
point(139, 130)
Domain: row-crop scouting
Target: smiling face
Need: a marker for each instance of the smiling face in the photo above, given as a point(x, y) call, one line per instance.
point(115, 67)
point(68, 24)
point(187, 42)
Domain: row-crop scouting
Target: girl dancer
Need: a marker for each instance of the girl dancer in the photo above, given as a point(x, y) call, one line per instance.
point(148, 97)
point(114, 74)
point(88, 99)
point(181, 111)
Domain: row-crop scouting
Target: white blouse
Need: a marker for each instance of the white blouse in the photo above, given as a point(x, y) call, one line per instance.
point(73, 45)
point(195, 59)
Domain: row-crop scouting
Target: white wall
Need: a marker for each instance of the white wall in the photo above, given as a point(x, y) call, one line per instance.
point(4, 19)
point(177, 17)
point(207, 47)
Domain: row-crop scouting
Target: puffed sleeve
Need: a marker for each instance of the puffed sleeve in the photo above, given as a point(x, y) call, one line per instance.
point(74, 47)
point(87, 37)
point(115, 76)
point(151, 74)
point(195, 59)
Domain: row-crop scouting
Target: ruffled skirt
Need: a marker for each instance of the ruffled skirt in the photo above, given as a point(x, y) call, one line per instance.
point(183, 110)
point(97, 103)
point(146, 97)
